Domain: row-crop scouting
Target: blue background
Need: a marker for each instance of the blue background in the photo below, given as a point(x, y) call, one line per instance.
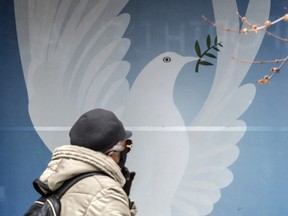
point(259, 186)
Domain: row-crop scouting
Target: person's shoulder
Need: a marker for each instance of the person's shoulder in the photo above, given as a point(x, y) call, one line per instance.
point(93, 184)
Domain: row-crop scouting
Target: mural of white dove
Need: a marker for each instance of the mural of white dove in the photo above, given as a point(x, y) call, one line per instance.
point(72, 56)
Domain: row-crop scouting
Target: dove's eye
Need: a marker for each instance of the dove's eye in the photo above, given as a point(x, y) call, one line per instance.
point(166, 59)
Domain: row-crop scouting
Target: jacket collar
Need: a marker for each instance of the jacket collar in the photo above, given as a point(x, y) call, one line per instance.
point(70, 160)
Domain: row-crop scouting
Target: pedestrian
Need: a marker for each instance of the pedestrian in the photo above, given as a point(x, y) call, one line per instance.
point(99, 143)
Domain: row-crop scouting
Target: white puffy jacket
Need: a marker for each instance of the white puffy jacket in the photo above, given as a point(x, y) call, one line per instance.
point(98, 195)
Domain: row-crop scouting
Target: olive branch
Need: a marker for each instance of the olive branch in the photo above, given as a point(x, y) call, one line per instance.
point(206, 52)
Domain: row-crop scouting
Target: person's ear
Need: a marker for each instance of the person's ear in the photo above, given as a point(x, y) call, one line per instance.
point(114, 155)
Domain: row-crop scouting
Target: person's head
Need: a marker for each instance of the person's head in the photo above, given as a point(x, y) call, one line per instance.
point(100, 130)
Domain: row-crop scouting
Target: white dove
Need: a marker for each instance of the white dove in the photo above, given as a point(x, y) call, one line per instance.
point(72, 56)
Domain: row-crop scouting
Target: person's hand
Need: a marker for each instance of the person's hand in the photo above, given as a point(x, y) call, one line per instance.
point(129, 176)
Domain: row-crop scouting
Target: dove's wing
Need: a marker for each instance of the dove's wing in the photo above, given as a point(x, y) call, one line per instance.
point(71, 53)
point(213, 148)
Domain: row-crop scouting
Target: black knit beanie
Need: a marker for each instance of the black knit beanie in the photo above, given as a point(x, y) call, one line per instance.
point(98, 130)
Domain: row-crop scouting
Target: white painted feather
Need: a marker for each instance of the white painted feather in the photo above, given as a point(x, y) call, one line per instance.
point(72, 57)
point(212, 150)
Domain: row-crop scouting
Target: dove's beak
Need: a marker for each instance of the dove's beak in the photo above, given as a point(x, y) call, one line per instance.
point(190, 58)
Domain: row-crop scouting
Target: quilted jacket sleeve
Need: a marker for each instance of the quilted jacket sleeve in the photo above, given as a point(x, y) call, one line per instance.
point(111, 201)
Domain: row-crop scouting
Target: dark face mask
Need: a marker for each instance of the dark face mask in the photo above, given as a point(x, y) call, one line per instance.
point(123, 157)
point(123, 154)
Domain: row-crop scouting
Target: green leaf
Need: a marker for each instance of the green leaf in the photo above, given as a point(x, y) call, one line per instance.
point(220, 45)
point(210, 55)
point(215, 48)
point(208, 41)
point(197, 49)
point(215, 40)
point(197, 65)
point(205, 63)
